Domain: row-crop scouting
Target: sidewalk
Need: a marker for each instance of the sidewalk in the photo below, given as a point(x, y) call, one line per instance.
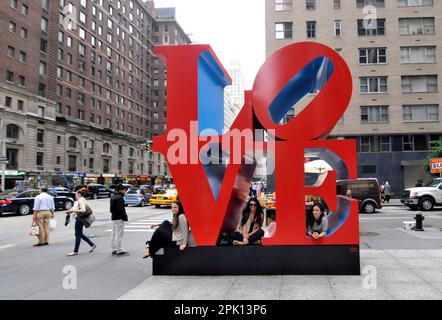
point(393, 203)
point(385, 274)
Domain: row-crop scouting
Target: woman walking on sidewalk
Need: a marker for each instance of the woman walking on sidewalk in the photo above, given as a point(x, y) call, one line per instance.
point(80, 206)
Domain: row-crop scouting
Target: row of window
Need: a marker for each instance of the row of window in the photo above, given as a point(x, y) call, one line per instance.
point(287, 5)
point(409, 84)
point(372, 27)
point(408, 55)
point(12, 156)
point(411, 113)
point(13, 132)
point(405, 143)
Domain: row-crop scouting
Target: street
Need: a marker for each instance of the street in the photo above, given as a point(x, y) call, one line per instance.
point(28, 272)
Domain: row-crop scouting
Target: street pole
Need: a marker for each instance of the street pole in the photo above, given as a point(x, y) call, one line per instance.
point(3, 154)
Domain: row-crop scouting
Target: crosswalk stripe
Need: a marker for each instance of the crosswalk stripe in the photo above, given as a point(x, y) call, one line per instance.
point(135, 227)
point(134, 230)
point(143, 223)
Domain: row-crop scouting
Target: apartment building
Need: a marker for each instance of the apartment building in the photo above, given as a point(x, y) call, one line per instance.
point(77, 93)
point(233, 94)
point(393, 49)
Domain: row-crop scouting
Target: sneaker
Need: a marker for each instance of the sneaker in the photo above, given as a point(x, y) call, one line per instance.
point(114, 253)
point(121, 253)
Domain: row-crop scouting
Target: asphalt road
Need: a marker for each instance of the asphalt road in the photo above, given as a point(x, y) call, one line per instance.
point(28, 272)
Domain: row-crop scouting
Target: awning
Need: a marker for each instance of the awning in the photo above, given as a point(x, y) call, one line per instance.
point(407, 163)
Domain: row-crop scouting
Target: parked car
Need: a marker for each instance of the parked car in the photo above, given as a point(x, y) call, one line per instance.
point(62, 191)
point(23, 202)
point(147, 187)
point(365, 190)
point(424, 198)
point(138, 197)
point(95, 191)
point(128, 186)
point(164, 197)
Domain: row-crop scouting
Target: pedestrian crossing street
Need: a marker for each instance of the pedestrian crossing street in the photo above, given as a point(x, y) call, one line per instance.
point(141, 225)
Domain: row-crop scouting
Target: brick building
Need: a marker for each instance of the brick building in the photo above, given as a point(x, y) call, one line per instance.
point(77, 89)
point(392, 48)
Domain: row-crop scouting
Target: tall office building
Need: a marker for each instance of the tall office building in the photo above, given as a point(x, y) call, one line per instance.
point(392, 48)
point(234, 94)
point(167, 31)
point(78, 90)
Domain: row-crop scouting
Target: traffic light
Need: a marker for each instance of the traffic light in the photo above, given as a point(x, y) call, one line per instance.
point(149, 147)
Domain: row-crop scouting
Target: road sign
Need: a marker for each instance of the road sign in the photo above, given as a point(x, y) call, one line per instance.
point(436, 165)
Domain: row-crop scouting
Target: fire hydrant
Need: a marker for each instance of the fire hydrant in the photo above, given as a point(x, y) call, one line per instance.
point(419, 218)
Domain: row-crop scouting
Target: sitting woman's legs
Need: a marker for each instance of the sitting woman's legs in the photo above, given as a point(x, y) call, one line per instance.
point(256, 236)
point(236, 236)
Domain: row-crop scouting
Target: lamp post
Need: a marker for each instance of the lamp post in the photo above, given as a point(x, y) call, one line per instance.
point(3, 161)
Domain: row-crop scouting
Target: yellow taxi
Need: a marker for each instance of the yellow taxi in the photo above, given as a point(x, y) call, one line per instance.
point(164, 197)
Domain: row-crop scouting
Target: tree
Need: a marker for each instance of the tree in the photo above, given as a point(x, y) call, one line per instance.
point(436, 152)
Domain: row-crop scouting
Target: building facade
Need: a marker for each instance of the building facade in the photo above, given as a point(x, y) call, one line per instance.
point(393, 49)
point(167, 31)
point(77, 97)
point(233, 94)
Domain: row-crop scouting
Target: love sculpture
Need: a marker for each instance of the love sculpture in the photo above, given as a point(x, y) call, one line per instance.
point(214, 195)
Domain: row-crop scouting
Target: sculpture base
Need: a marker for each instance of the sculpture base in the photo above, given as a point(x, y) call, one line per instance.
point(259, 260)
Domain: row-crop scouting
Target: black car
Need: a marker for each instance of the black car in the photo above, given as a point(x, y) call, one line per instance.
point(23, 202)
point(95, 191)
point(365, 190)
point(61, 191)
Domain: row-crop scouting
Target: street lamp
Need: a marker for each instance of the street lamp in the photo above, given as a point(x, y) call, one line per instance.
point(3, 161)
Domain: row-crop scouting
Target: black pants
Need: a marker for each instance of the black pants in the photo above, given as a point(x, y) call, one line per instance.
point(253, 238)
point(162, 237)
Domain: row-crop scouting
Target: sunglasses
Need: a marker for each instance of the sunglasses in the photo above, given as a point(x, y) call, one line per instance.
point(252, 204)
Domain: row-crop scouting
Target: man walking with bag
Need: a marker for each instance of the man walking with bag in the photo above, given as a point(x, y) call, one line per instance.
point(44, 208)
point(119, 216)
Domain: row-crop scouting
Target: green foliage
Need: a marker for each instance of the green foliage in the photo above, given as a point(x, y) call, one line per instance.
point(436, 152)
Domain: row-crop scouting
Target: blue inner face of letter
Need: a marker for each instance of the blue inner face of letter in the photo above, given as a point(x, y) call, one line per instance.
point(313, 77)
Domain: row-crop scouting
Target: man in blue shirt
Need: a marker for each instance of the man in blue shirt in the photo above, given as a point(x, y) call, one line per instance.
point(44, 208)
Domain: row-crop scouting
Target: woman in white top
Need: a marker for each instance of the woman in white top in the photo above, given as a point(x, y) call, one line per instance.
point(80, 206)
point(180, 228)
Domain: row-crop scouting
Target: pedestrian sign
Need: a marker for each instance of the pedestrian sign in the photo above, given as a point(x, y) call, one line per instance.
point(436, 165)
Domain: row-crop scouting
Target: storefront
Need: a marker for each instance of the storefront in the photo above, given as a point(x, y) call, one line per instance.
point(142, 180)
point(68, 180)
point(133, 180)
point(107, 178)
point(91, 178)
point(15, 180)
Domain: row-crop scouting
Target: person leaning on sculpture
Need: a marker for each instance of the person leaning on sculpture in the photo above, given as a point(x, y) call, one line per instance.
point(317, 223)
point(250, 227)
point(168, 234)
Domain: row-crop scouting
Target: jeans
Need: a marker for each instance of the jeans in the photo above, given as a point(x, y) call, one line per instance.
point(79, 235)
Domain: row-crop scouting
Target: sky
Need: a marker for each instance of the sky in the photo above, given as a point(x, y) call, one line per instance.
point(234, 28)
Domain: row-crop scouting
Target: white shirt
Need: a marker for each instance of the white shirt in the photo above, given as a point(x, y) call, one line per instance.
point(44, 202)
